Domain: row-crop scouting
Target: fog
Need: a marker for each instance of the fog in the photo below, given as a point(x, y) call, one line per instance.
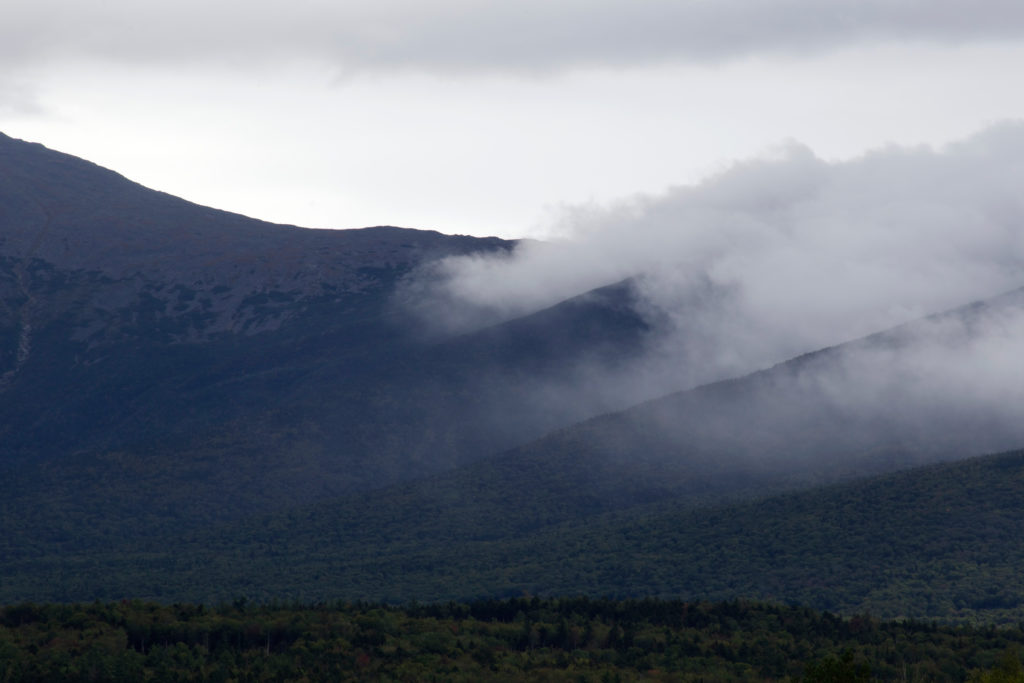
point(777, 257)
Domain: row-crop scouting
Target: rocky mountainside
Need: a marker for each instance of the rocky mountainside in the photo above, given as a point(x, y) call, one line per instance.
point(196, 272)
point(267, 361)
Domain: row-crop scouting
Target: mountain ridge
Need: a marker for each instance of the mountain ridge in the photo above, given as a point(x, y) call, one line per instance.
point(139, 328)
point(160, 376)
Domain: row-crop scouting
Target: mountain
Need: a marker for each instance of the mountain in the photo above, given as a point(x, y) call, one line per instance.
point(122, 306)
point(613, 506)
point(816, 419)
point(935, 389)
point(199, 405)
point(163, 351)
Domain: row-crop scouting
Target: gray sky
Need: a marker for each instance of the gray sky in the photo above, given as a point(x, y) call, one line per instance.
point(485, 117)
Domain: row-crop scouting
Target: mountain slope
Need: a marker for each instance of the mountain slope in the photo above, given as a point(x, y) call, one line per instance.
point(813, 420)
point(640, 515)
point(170, 373)
point(156, 350)
point(911, 395)
point(115, 297)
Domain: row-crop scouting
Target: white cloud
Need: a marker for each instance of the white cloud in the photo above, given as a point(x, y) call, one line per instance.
point(782, 255)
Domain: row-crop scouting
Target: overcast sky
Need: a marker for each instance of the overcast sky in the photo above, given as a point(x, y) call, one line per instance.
point(485, 117)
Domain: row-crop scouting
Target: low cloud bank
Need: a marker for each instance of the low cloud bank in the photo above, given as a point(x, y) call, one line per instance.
point(773, 257)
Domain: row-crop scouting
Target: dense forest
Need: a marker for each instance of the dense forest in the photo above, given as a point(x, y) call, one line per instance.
point(943, 542)
point(576, 639)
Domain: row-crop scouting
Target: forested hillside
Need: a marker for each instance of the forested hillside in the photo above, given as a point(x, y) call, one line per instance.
point(943, 541)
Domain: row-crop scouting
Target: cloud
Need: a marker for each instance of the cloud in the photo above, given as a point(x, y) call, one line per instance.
point(775, 256)
point(942, 388)
point(466, 36)
point(948, 386)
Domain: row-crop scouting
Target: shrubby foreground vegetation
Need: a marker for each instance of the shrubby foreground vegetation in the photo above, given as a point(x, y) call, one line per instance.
point(577, 639)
